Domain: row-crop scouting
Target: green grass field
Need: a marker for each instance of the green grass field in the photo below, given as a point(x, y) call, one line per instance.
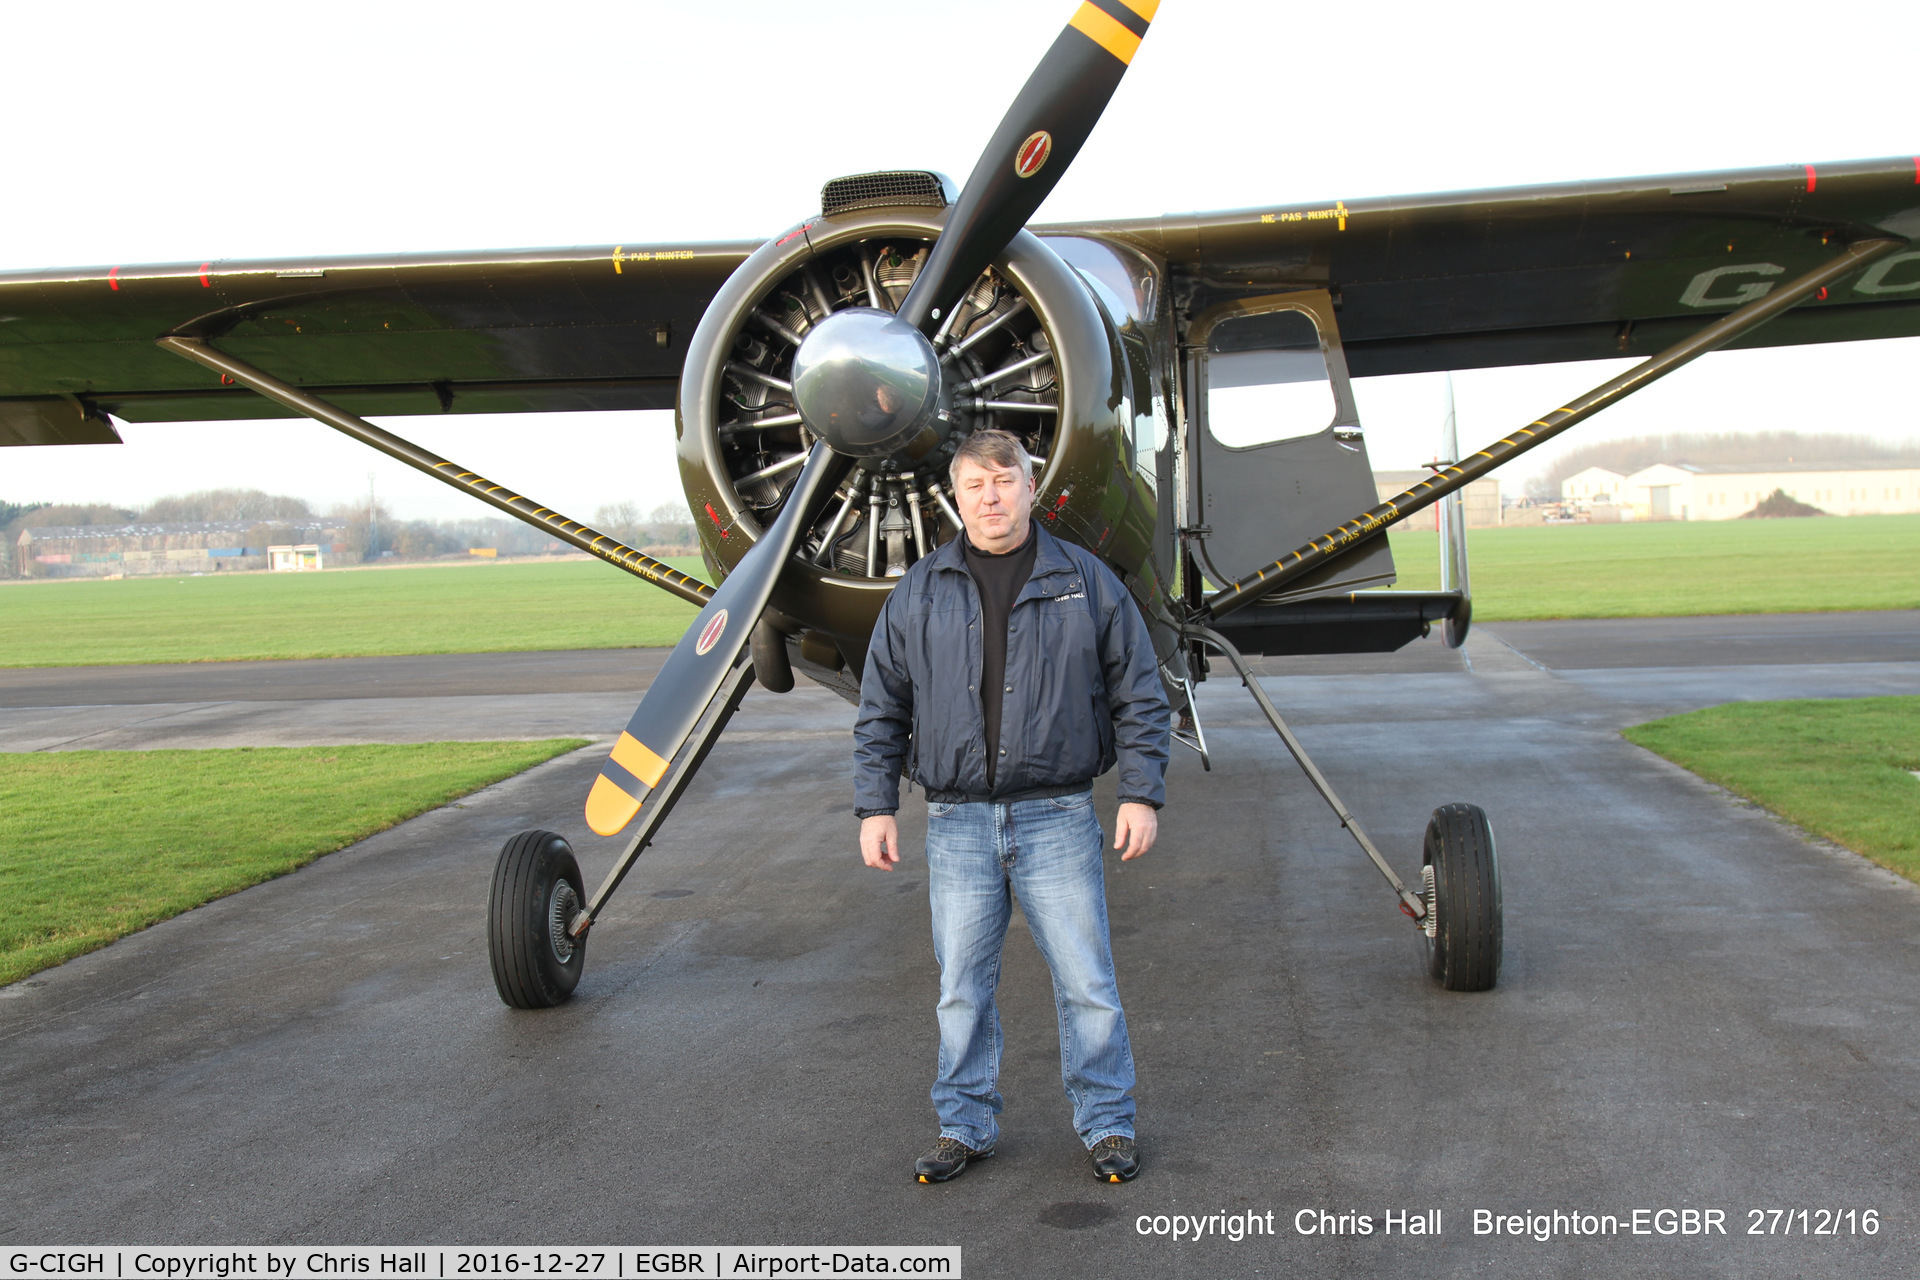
point(1835, 767)
point(1575, 571)
point(1652, 570)
point(97, 844)
point(575, 604)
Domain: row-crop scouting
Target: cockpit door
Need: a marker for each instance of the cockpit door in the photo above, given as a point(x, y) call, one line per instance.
point(1278, 454)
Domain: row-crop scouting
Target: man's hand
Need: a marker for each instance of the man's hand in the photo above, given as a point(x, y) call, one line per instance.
point(1135, 830)
point(880, 840)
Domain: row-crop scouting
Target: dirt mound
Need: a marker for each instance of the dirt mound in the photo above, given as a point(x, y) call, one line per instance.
point(1778, 506)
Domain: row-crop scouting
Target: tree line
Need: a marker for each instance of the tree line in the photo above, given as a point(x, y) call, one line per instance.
point(368, 530)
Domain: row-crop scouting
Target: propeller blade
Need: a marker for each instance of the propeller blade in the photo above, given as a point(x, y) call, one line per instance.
point(1041, 134)
point(698, 665)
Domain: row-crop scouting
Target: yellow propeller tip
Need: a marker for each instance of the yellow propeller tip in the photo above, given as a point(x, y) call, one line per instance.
point(609, 809)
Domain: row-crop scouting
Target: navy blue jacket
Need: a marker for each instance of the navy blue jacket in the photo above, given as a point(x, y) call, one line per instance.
point(1083, 690)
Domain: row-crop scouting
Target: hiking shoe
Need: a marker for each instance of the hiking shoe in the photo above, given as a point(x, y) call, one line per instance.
point(948, 1159)
point(1114, 1159)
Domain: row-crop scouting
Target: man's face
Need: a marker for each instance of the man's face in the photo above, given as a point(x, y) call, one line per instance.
point(995, 503)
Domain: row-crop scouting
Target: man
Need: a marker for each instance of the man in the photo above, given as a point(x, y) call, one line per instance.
point(1007, 671)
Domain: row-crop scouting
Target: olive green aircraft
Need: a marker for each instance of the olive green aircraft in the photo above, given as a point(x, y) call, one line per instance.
point(1182, 381)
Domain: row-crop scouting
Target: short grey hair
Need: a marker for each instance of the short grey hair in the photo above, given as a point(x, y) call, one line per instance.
point(994, 450)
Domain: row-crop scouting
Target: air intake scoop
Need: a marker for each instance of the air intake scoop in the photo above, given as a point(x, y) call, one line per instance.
point(903, 189)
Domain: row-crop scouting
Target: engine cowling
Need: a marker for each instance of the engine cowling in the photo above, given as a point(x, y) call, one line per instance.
point(1028, 350)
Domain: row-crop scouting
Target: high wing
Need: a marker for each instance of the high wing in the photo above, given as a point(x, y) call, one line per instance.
point(1572, 271)
point(501, 332)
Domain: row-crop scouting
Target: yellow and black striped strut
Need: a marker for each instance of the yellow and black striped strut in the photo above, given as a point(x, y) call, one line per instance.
point(571, 532)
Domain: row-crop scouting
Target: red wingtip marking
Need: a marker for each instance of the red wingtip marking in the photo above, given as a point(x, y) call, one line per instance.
point(1812, 178)
point(204, 282)
point(1916, 170)
point(113, 279)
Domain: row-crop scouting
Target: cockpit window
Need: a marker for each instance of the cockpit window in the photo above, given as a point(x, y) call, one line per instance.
point(1267, 379)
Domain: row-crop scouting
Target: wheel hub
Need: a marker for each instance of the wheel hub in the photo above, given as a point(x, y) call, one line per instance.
point(1430, 925)
point(561, 909)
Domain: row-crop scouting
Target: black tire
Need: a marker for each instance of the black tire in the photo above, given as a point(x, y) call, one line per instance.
point(1462, 876)
point(536, 890)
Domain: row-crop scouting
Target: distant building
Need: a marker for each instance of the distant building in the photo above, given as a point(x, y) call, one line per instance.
point(1662, 491)
point(142, 550)
point(295, 559)
point(1481, 499)
point(1594, 487)
point(1667, 491)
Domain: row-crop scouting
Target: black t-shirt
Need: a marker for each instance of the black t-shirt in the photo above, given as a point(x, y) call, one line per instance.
point(999, 578)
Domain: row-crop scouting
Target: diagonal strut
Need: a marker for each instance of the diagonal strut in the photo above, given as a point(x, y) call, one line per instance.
point(1410, 902)
point(572, 532)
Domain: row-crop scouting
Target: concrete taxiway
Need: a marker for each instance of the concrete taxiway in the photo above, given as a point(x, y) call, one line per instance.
point(1700, 1008)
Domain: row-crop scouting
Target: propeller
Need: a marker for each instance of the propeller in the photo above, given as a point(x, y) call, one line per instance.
point(1042, 132)
point(694, 671)
point(867, 382)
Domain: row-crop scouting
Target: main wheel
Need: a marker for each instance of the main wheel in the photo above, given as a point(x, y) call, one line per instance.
point(536, 892)
point(1463, 899)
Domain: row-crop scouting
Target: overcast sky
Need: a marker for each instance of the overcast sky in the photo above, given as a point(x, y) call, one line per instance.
point(220, 130)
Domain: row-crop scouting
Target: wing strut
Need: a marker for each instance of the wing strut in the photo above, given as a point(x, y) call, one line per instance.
point(1374, 522)
point(1453, 536)
point(572, 532)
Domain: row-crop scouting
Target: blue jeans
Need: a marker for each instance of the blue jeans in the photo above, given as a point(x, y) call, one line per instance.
point(1048, 852)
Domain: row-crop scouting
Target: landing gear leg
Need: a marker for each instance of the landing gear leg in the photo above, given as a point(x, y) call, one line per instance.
point(1458, 908)
point(1411, 903)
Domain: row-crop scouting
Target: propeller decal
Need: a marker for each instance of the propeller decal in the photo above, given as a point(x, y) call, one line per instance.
point(1033, 153)
point(711, 633)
